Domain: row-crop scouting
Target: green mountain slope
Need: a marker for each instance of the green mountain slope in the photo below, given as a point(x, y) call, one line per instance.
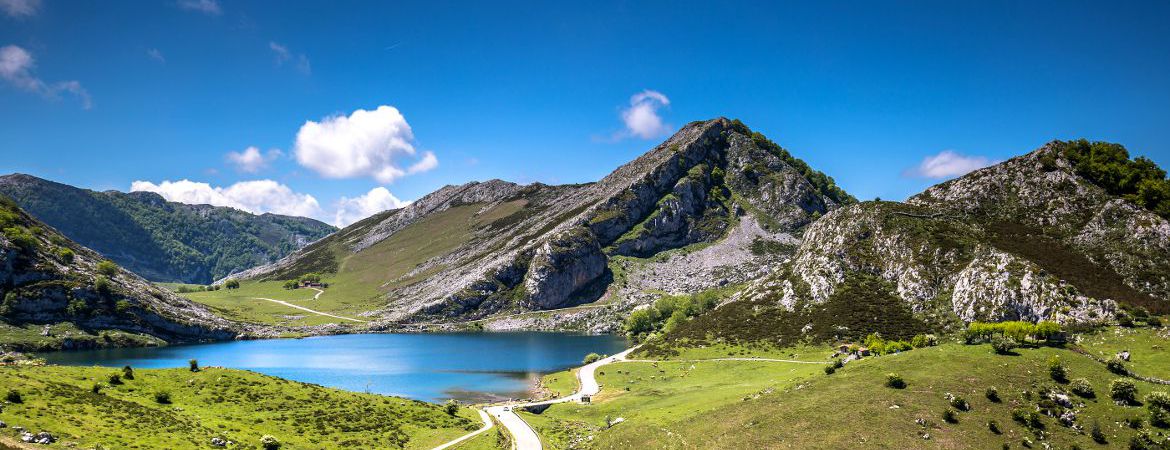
point(55, 293)
point(160, 240)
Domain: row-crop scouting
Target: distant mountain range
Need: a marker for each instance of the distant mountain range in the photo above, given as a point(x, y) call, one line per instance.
point(161, 240)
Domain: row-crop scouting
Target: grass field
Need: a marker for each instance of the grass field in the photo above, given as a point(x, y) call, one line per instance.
point(29, 337)
point(1149, 348)
point(237, 405)
point(743, 404)
point(242, 304)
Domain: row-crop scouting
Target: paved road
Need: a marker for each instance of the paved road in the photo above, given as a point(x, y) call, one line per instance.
point(487, 425)
point(523, 436)
point(302, 308)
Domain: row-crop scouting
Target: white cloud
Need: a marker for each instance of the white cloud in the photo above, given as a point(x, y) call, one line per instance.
point(947, 164)
point(365, 143)
point(156, 55)
point(350, 210)
point(257, 196)
point(283, 55)
point(251, 160)
point(20, 8)
point(16, 68)
point(209, 7)
point(641, 117)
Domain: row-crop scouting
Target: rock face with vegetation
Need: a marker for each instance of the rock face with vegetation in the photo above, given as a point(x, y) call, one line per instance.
point(161, 240)
point(511, 248)
point(46, 279)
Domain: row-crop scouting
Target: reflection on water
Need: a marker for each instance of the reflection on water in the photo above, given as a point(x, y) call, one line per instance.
point(430, 367)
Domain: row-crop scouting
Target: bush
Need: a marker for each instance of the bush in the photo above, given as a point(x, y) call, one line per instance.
point(13, 396)
point(96, 388)
point(1123, 391)
point(1154, 321)
point(1003, 344)
point(830, 369)
point(22, 238)
point(1134, 422)
point(162, 397)
point(1081, 387)
point(451, 407)
point(1117, 366)
point(115, 379)
point(1096, 433)
point(128, 372)
point(291, 284)
point(107, 268)
point(960, 403)
point(994, 427)
point(895, 381)
point(992, 394)
point(949, 416)
point(591, 358)
point(193, 364)
point(232, 284)
point(65, 255)
point(268, 442)
point(924, 340)
point(1057, 370)
point(1158, 403)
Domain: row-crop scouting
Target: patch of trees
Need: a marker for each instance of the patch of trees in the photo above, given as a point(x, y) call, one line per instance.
point(1108, 165)
point(824, 183)
point(669, 312)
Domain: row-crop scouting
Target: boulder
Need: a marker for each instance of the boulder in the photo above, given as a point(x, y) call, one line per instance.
point(562, 266)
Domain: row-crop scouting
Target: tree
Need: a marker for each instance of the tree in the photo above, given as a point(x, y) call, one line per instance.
point(291, 284)
point(232, 284)
point(1123, 391)
point(451, 407)
point(128, 372)
point(591, 358)
point(107, 268)
point(193, 365)
point(641, 321)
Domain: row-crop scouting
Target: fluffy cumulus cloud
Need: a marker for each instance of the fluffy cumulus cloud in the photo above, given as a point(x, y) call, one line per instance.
point(257, 196)
point(375, 144)
point(948, 164)
point(209, 7)
point(16, 69)
point(642, 118)
point(20, 8)
point(251, 159)
point(350, 210)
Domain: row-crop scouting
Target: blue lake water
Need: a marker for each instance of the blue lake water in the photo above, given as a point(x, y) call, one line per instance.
point(428, 366)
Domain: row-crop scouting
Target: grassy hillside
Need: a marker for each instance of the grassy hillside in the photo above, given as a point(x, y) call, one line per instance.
point(745, 404)
point(161, 240)
point(236, 405)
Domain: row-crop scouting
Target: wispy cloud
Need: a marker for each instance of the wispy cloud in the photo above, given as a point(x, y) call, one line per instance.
point(16, 68)
point(947, 164)
point(156, 55)
point(209, 7)
point(283, 55)
point(251, 159)
point(20, 8)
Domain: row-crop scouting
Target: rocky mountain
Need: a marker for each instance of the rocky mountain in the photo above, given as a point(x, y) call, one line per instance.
point(495, 247)
point(1031, 238)
point(46, 280)
point(161, 240)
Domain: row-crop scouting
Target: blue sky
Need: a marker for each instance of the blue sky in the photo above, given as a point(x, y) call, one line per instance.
point(104, 94)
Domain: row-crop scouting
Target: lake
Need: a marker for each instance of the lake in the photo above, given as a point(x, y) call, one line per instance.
point(426, 366)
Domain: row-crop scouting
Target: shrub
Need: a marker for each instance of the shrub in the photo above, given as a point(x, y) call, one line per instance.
point(193, 364)
point(960, 403)
point(128, 372)
point(13, 396)
point(65, 255)
point(591, 358)
point(1096, 433)
point(949, 416)
point(1117, 366)
point(291, 284)
point(1159, 405)
point(1154, 321)
point(895, 381)
point(1123, 391)
point(838, 363)
point(232, 284)
point(451, 407)
point(96, 388)
point(1124, 319)
point(268, 442)
point(1082, 387)
point(830, 369)
point(115, 379)
point(1003, 344)
point(924, 340)
point(22, 238)
point(1057, 370)
point(1134, 422)
point(123, 306)
point(101, 284)
point(994, 427)
point(992, 394)
point(107, 268)
point(162, 397)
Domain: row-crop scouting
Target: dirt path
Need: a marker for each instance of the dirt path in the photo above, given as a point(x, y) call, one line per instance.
point(302, 308)
point(319, 292)
point(487, 425)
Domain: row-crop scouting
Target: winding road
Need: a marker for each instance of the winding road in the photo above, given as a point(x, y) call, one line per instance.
point(487, 425)
point(302, 308)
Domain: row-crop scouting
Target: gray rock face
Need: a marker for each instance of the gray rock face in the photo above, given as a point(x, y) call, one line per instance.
point(562, 266)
